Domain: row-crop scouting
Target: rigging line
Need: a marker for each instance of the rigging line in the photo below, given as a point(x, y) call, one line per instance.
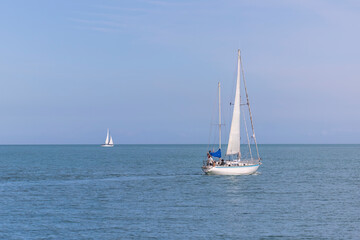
point(248, 103)
point(211, 124)
point(213, 140)
point(247, 134)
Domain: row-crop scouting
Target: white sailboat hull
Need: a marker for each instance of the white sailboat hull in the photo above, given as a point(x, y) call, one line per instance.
point(231, 170)
point(107, 145)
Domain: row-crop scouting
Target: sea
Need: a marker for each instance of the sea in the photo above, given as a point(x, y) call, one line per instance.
point(160, 192)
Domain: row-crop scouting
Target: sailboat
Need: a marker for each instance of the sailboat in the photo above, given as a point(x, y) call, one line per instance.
point(108, 141)
point(236, 164)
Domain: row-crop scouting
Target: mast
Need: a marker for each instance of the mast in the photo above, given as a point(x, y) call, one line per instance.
point(238, 88)
point(219, 117)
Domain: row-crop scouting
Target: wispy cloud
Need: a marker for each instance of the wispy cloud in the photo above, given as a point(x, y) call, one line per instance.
point(99, 29)
point(333, 11)
point(98, 25)
point(133, 13)
point(125, 9)
point(99, 22)
point(168, 3)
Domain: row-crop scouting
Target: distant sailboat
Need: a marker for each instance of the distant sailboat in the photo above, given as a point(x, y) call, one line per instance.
point(236, 164)
point(108, 141)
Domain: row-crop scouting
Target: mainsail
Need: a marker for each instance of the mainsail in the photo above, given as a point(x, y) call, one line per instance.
point(107, 137)
point(234, 136)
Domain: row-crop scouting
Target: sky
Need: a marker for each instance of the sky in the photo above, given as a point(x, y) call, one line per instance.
point(148, 69)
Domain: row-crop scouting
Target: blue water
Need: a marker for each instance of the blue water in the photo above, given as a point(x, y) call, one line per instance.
point(159, 192)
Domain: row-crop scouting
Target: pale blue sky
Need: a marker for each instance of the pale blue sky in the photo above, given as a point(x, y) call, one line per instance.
point(148, 69)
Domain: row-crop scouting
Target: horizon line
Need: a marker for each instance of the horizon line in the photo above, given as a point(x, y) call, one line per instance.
point(99, 144)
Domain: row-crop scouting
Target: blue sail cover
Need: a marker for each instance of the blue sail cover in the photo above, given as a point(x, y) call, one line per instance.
point(216, 154)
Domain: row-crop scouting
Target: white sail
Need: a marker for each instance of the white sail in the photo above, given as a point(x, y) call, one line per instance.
point(234, 136)
point(107, 137)
point(111, 141)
